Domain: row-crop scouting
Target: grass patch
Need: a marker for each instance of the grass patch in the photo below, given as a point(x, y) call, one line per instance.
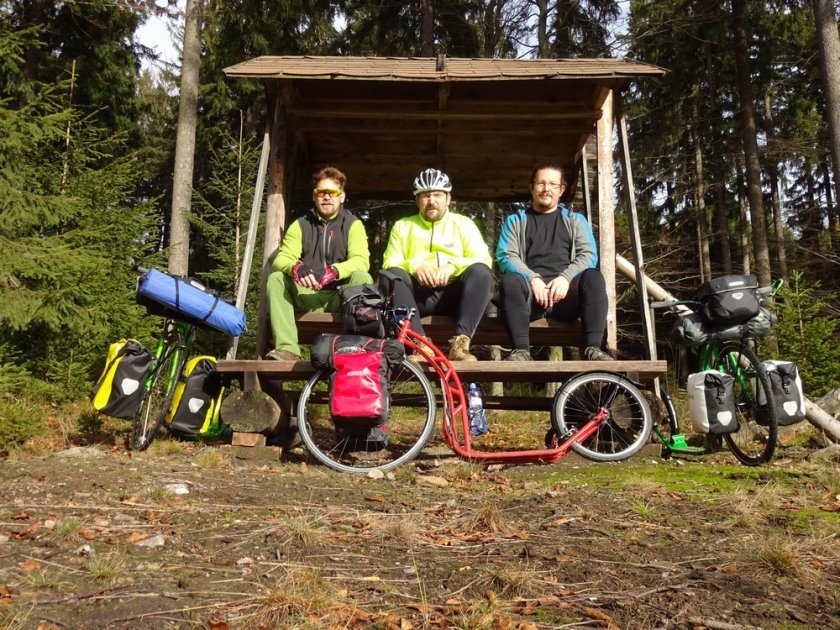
point(43, 579)
point(166, 447)
point(13, 617)
point(298, 599)
point(490, 517)
point(642, 508)
point(210, 458)
point(158, 494)
point(106, 567)
point(511, 582)
point(68, 526)
point(776, 555)
point(305, 530)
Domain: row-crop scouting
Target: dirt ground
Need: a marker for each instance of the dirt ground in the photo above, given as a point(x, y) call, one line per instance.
point(184, 536)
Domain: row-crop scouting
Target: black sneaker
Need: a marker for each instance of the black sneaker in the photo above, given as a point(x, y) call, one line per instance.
point(519, 354)
point(594, 353)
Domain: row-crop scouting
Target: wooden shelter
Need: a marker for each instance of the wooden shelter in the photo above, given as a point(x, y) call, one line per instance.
point(486, 122)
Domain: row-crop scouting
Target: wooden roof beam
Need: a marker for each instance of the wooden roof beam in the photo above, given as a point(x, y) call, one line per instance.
point(592, 115)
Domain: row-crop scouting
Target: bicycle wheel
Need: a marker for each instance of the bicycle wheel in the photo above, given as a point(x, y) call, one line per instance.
point(755, 440)
point(410, 424)
point(627, 426)
point(149, 418)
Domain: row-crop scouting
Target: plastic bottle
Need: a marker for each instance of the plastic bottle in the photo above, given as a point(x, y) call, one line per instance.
point(478, 419)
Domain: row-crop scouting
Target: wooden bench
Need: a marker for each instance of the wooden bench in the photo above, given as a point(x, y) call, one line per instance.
point(491, 331)
point(440, 328)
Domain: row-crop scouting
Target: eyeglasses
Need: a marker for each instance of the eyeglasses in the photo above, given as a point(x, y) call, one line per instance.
point(548, 185)
point(327, 192)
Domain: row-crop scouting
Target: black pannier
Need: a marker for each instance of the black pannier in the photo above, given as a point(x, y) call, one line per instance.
point(729, 299)
point(692, 330)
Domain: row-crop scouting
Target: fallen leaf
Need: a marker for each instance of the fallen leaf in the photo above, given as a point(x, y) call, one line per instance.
point(371, 578)
point(30, 565)
point(218, 625)
point(27, 531)
point(594, 613)
point(47, 625)
point(136, 537)
point(21, 516)
point(88, 534)
point(379, 498)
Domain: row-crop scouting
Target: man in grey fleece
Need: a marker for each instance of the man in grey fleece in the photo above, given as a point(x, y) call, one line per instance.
point(547, 256)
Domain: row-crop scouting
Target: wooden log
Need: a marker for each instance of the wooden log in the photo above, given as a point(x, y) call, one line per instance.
point(251, 412)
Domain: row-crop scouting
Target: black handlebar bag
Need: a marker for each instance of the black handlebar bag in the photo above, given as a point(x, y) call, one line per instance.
point(729, 300)
point(361, 310)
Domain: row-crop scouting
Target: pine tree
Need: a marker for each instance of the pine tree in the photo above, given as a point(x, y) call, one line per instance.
point(68, 228)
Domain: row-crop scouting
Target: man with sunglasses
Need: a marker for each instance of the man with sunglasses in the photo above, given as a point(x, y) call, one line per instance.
point(443, 262)
point(547, 256)
point(324, 249)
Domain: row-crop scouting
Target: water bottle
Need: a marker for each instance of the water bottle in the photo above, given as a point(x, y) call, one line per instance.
point(478, 419)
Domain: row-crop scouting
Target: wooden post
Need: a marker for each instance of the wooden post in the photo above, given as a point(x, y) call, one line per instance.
point(275, 210)
point(606, 211)
point(584, 173)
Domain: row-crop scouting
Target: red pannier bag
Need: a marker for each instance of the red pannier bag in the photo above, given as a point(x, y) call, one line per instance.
point(359, 388)
point(359, 369)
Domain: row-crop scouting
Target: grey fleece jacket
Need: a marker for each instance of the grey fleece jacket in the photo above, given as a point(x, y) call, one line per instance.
point(511, 254)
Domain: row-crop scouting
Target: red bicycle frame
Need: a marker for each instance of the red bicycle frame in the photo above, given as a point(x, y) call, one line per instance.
point(456, 423)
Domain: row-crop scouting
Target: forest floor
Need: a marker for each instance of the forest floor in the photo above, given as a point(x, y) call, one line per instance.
point(184, 536)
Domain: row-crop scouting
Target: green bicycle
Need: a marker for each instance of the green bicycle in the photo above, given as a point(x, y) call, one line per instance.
point(754, 442)
point(171, 354)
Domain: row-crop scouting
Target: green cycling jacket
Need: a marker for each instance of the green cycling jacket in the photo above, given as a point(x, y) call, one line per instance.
point(453, 239)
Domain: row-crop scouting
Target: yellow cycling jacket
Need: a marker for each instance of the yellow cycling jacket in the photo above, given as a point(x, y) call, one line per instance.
point(453, 239)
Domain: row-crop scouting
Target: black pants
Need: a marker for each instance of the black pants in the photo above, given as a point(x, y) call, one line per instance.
point(586, 299)
point(465, 297)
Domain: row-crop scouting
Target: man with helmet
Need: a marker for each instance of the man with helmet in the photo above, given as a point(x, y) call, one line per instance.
point(324, 249)
point(443, 262)
point(547, 257)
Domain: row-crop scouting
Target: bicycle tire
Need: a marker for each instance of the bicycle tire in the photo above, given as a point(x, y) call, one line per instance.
point(149, 418)
point(354, 453)
point(629, 419)
point(755, 441)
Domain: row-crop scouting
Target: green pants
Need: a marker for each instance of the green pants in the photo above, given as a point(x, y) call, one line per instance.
point(285, 297)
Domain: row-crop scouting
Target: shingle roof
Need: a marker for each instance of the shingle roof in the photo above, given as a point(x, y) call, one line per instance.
point(426, 68)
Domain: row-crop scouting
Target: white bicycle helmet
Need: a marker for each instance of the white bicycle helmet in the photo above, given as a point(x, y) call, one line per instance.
point(432, 179)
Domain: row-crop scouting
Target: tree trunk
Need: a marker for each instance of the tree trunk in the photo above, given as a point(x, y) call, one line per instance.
point(775, 196)
point(829, 45)
point(751, 161)
point(833, 211)
point(427, 28)
point(743, 231)
point(543, 47)
point(702, 221)
point(179, 230)
point(720, 232)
